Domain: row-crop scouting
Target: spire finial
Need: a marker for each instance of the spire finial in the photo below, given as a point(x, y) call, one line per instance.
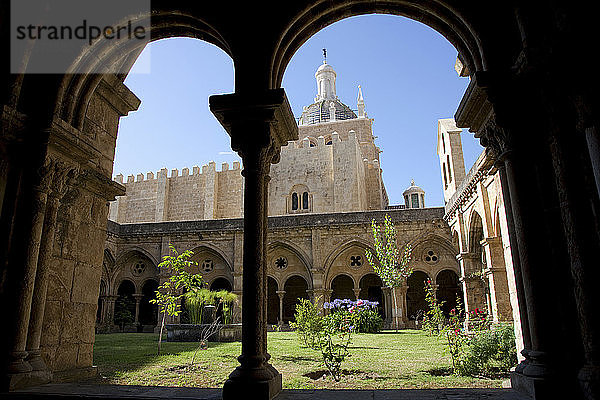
point(412, 182)
point(324, 56)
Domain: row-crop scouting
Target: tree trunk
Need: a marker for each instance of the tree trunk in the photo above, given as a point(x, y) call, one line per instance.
point(395, 312)
point(162, 326)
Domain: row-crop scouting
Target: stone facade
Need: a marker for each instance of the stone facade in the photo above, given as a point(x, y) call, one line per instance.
point(476, 214)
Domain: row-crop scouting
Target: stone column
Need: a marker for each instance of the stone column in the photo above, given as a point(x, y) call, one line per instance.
point(110, 311)
point(319, 297)
point(29, 225)
point(281, 294)
point(138, 299)
point(495, 271)
point(522, 324)
point(387, 305)
point(61, 174)
point(259, 124)
point(525, 123)
point(356, 292)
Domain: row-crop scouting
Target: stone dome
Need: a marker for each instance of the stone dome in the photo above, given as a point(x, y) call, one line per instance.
point(319, 112)
point(413, 189)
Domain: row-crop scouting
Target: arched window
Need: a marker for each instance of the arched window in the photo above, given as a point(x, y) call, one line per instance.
point(443, 144)
point(305, 201)
point(294, 201)
point(445, 179)
point(449, 170)
point(414, 200)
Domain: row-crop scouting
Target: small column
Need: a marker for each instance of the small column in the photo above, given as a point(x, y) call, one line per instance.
point(387, 306)
point(281, 294)
point(401, 293)
point(259, 124)
point(435, 290)
point(29, 224)
point(138, 299)
point(61, 174)
point(110, 310)
point(356, 292)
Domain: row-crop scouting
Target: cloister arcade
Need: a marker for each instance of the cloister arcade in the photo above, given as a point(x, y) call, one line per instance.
point(532, 101)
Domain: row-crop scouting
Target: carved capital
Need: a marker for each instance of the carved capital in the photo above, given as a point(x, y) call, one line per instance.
point(64, 175)
point(495, 138)
point(259, 124)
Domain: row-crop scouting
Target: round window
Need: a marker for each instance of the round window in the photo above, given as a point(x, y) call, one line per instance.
point(431, 257)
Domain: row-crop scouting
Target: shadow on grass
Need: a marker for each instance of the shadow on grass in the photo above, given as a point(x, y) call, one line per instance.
point(118, 353)
point(295, 358)
point(441, 371)
point(354, 373)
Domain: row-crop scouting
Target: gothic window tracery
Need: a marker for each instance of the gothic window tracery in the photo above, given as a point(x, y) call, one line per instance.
point(356, 261)
point(281, 262)
point(207, 266)
point(138, 268)
point(431, 257)
point(294, 201)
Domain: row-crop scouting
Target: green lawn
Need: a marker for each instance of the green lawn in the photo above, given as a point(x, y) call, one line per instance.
point(407, 359)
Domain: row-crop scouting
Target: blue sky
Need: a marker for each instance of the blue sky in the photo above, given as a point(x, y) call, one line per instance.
point(406, 71)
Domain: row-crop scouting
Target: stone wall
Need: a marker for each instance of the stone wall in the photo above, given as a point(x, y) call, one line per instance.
point(316, 247)
point(337, 163)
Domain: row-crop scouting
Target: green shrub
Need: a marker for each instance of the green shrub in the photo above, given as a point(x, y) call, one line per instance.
point(487, 351)
point(309, 323)
point(433, 320)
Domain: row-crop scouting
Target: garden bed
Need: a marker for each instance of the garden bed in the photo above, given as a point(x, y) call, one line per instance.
point(193, 333)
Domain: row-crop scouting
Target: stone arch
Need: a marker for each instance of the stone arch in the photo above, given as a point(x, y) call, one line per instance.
point(415, 295)
point(441, 16)
point(339, 260)
point(456, 240)
point(295, 288)
point(342, 287)
point(432, 252)
point(448, 289)
point(75, 90)
point(130, 249)
point(221, 283)
point(475, 235)
point(285, 259)
point(134, 265)
point(212, 263)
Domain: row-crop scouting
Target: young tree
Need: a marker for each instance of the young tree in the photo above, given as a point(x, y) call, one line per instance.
point(169, 294)
point(392, 268)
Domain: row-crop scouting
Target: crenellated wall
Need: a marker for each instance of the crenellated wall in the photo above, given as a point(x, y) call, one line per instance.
point(339, 169)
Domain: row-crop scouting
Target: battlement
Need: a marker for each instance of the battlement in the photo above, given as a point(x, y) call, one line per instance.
point(206, 169)
point(321, 143)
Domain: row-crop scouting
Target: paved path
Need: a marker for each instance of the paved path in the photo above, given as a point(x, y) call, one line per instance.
point(72, 391)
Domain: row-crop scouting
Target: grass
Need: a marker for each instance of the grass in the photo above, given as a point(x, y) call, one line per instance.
point(407, 359)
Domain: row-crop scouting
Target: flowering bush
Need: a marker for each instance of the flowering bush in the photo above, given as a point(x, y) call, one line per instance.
point(482, 350)
point(364, 312)
point(479, 320)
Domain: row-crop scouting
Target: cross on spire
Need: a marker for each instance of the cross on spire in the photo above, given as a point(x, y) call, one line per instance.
point(324, 56)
